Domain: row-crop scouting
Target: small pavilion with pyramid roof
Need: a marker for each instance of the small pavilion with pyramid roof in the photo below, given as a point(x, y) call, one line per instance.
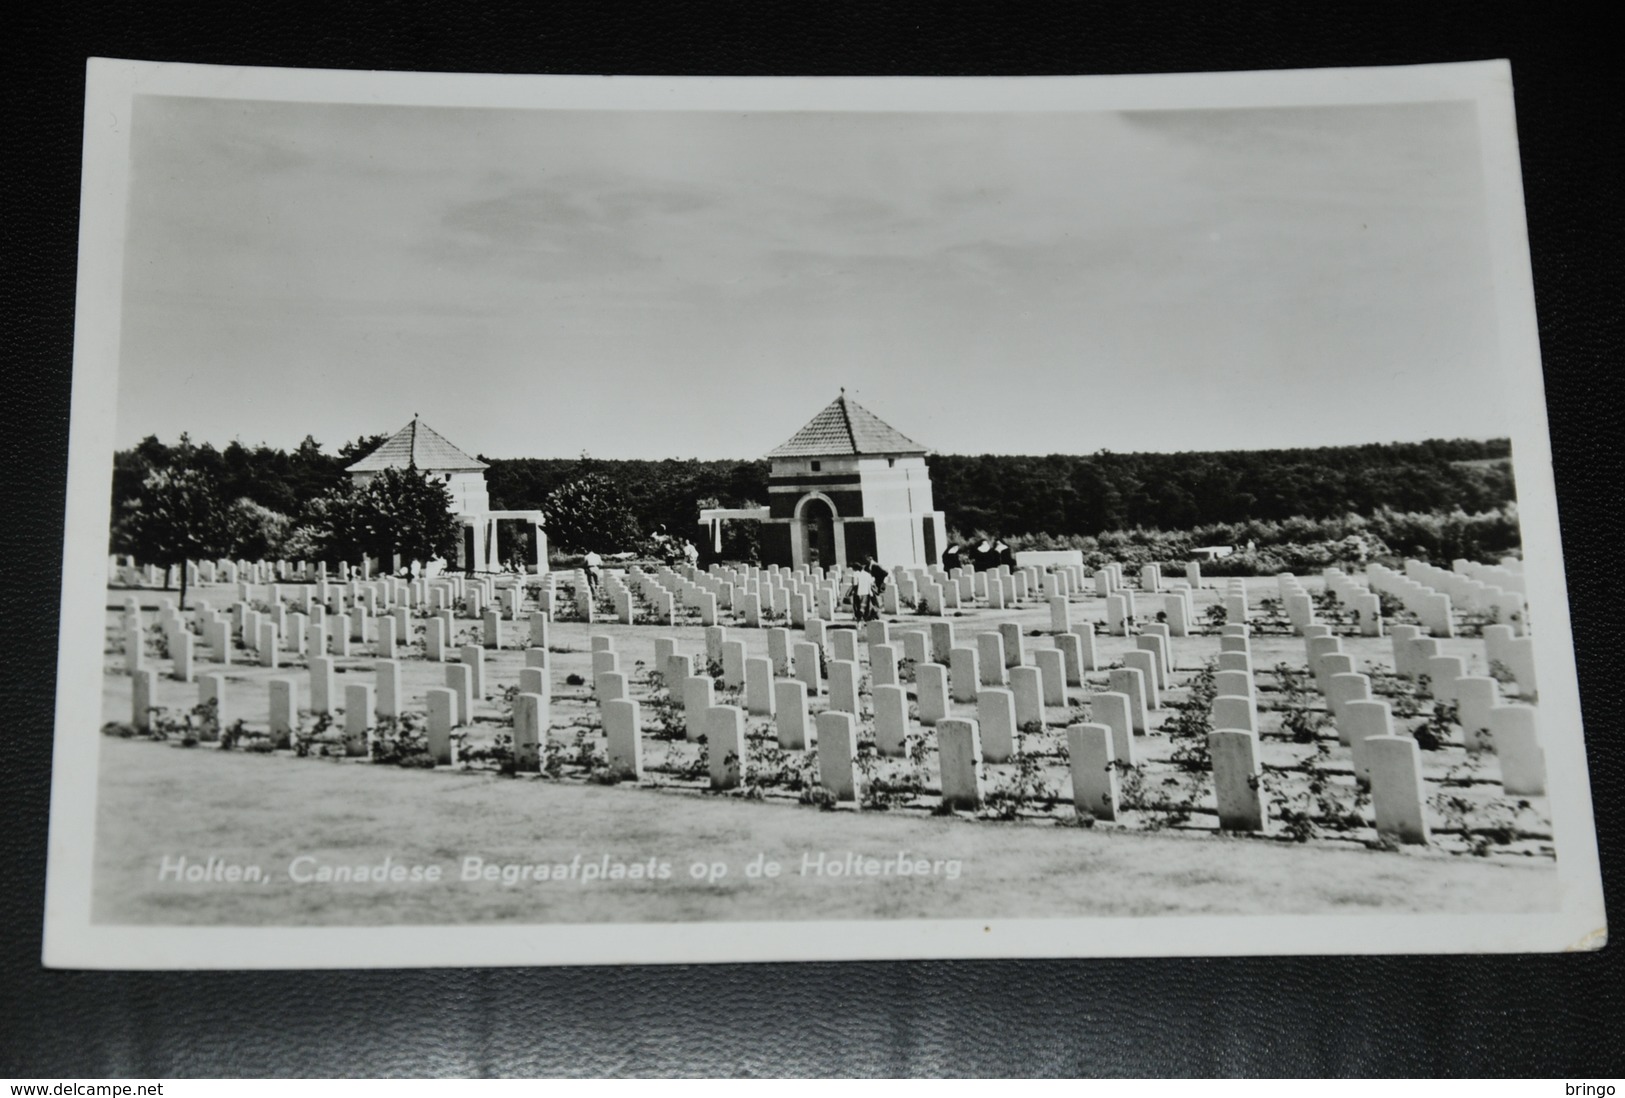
point(846, 487)
point(419, 446)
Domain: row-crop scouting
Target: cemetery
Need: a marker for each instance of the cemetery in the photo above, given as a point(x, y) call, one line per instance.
point(1382, 724)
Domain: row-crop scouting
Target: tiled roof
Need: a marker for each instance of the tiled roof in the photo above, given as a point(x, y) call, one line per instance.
point(846, 428)
point(420, 446)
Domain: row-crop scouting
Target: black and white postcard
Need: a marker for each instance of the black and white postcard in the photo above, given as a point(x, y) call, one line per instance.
point(554, 520)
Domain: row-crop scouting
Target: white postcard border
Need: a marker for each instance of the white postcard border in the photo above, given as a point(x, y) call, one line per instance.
point(72, 940)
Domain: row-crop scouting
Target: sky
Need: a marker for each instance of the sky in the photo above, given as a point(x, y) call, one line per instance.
point(542, 283)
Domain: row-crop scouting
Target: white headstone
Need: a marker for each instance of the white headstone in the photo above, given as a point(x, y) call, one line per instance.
point(790, 720)
point(837, 755)
point(891, 720)
point(1130, 682)
point(1027, 691)
point(959, 757)
point(1094, 770)
point(441, 708)
point(1236, 787)
point(759, 692)
point(843, 686)
point(1517, 746)
point(698, 699)
point(996, 723)
point(1145, 663)
point(623, 734)
point(1396, 787)
point(359, 702)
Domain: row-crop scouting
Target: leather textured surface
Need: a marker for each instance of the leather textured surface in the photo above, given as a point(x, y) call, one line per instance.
point(1541, 1016)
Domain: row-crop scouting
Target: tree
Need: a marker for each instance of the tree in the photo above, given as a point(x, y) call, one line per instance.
point(253, 531)
point(352, 452)
point(397, 511)
point(590, 513)
point(177, 517)
point(409, 512)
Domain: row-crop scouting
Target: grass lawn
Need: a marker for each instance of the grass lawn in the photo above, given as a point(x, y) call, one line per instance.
point(161, 800)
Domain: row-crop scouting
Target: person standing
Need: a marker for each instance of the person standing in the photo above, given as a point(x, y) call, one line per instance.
point(863, 585)
point(880, 576)
point(594, 564)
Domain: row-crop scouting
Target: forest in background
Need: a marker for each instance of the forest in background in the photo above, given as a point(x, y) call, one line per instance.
point(1297, 509)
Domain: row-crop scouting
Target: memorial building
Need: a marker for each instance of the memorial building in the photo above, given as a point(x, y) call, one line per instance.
point(418, 446)
point(846, 487)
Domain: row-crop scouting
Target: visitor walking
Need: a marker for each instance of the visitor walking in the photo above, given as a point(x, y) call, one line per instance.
point(594, 564)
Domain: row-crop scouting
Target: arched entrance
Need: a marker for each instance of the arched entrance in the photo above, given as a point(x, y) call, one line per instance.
point(816, 531)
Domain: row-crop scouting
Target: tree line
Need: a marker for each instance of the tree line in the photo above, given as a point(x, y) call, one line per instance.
point(300, 504)
point(1064, 495)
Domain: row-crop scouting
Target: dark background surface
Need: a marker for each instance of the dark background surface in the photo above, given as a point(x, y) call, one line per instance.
point(1539, 1015)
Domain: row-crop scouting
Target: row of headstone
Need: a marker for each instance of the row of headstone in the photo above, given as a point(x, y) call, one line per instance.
point(1295, 601)
point(1364, 602)
point(1469, 594)
point(1001, 712)
point(1507, 575)
point(1431, 607)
